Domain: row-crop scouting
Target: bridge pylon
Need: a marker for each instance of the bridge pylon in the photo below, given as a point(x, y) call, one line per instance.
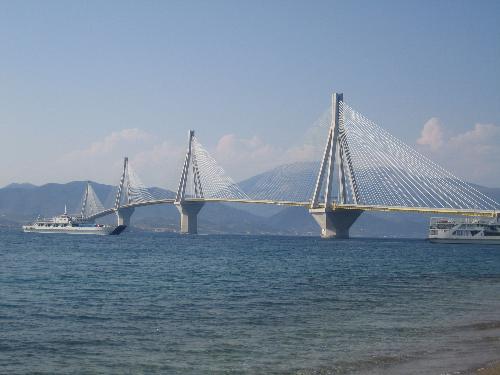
point(123, 214)
point(189, 209)
point(334, 221)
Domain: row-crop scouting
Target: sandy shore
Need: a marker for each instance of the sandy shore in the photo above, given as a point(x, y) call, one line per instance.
point(493, 369)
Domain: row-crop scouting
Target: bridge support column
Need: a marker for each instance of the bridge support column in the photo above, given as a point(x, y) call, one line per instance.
point(124, 215)
point(189, 216)
point(335, 223)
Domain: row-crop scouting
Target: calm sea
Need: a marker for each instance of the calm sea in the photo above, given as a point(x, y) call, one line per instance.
point(171, 304)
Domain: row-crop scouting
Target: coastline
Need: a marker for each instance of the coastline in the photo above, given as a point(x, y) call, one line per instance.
point(492, 368)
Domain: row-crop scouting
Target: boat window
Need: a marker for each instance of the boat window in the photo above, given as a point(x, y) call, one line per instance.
point(445, 226)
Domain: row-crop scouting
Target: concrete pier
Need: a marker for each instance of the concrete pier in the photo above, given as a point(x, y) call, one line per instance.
point(189, 216)
point(335, 223)
point(124, 215)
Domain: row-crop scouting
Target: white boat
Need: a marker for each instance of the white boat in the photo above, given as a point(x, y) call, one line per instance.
point(75, 224)
point(464, 230)
point(72, 225)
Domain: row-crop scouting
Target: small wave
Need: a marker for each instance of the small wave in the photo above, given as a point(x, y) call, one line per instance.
point(349, 367)
point(482, 326)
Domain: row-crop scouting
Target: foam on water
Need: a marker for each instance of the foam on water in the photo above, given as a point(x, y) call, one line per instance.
point(154, 303)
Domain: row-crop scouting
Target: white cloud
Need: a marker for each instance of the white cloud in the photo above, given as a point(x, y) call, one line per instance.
point(162, 164)
point(483, 138)
point(432, 134)
point(244, 157)
point(111, 142)
point(158, 154)
point(473, 155)
point(154, 160)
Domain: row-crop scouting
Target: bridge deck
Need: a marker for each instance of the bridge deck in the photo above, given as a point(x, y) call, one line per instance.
point(421, 210)
point(424, 210)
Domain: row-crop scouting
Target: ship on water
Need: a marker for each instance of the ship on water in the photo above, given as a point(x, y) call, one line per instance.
point(75, 224)
point(464, 230)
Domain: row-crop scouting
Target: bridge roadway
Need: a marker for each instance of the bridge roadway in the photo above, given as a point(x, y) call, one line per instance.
point(335, 206)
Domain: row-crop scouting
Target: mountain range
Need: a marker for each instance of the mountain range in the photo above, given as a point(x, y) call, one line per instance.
point(21, 203)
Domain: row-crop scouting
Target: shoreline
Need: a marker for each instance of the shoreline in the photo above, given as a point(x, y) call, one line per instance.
point(491, 368)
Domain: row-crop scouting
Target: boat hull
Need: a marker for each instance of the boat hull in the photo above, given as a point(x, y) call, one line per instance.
point(466, 241)
point(103, 231)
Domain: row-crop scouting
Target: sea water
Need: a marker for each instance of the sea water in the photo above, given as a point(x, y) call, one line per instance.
point(172, 304)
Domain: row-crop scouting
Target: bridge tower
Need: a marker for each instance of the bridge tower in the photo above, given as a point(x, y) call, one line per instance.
point(189, 209)
point(123, 214)
point(85, 199)
point(334, 221)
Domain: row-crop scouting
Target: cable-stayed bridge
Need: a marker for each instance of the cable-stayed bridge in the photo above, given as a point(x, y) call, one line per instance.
point(361, 168)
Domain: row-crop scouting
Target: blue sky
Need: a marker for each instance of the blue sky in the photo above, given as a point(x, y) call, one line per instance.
point(83, 83)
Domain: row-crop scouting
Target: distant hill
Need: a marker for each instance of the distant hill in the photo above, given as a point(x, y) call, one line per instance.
point(20, 203)
point(16, 185)
point(493, 193)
